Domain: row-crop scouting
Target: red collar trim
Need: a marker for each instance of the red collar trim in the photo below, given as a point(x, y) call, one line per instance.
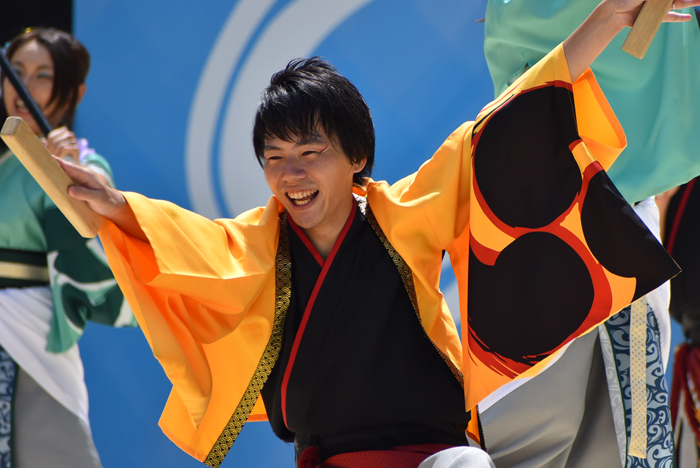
point(305, 239)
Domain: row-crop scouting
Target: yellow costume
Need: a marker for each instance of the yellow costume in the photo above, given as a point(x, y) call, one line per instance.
point(211, 296)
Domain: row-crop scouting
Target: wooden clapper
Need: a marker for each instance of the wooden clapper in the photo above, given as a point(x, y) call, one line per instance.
point(31, 152)
point(645, 27)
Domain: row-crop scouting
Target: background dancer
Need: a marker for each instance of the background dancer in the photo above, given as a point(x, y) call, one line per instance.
point(52, 280)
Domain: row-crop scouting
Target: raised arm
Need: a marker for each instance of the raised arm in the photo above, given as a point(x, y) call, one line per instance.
point(102, 198)
point(607, 20)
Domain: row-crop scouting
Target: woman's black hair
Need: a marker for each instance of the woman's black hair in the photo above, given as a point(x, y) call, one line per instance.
point(71, 63)
point(309, 93)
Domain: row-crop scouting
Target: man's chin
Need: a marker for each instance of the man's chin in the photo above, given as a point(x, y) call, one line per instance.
point(303, 220)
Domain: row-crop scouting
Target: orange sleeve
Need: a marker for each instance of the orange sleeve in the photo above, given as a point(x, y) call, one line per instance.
point(193, 284)
point(551, 249)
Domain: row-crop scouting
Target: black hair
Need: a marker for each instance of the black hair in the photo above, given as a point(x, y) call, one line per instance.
point(71, 63)
point(309, 92)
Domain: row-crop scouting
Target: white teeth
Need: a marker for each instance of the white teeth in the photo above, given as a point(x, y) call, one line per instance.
point(302, 197)
point(301, 194)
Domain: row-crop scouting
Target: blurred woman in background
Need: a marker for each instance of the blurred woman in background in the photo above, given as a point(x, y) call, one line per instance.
point(51, 279)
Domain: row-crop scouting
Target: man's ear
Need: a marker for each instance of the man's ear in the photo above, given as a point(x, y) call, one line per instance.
point(357, 166)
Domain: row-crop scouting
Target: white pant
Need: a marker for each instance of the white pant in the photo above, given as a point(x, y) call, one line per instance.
point(459, 457)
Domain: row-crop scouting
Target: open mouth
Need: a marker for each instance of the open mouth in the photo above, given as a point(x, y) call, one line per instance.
point(302, 197)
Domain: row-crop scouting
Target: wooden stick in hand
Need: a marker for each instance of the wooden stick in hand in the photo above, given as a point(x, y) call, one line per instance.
point(645, 27)
point(43, 167)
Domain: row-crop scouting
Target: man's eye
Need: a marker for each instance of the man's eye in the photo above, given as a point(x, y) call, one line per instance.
point(45, 76)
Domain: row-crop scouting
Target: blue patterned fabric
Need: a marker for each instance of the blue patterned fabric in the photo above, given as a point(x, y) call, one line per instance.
point(660, 443)
point(7, 385)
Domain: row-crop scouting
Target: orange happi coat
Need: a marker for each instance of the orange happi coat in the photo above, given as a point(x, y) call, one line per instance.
point(204, 292)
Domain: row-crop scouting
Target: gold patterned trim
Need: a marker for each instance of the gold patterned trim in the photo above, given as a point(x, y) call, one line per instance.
point(283, 292)
point(22, 271)
point(638, 378)
point(407, 278)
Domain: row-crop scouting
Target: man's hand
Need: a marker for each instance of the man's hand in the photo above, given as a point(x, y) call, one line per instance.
point(102, 198)
point(607, 20)
point(625, 11)
point(89, 187)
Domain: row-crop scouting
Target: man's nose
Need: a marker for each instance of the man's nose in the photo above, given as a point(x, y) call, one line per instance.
point(294, 169)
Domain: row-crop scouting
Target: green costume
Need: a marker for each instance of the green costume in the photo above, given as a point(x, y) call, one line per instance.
point(52, 281)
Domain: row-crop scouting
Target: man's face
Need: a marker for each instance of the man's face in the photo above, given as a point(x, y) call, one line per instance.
point(313, 180)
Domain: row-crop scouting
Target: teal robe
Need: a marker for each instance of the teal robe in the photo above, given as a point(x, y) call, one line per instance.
point(657, 99)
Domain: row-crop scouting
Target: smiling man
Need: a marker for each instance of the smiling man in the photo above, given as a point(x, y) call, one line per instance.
point(311, 177)
point(326, 301)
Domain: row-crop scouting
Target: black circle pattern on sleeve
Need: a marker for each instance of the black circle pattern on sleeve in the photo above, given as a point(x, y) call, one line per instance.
point(560, 250)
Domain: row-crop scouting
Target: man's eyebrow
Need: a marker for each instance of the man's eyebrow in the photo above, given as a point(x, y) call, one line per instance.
point(269, 147)
point(310, 138)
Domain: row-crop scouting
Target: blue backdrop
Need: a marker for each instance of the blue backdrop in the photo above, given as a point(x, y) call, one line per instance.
point(170, 101)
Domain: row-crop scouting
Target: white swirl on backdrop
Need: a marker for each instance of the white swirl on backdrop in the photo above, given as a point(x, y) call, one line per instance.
point(207, 101)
